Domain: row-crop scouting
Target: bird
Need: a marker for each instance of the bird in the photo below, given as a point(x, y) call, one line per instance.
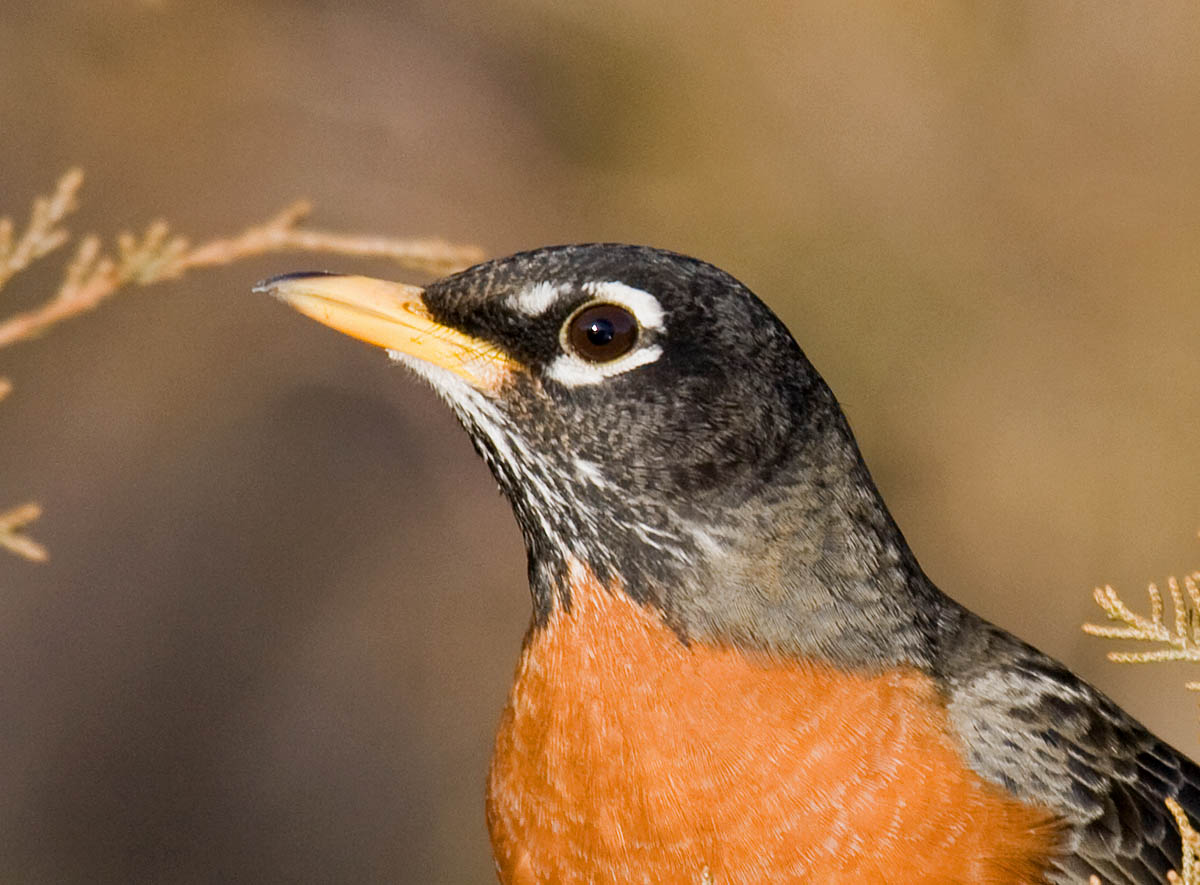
point(736, 671)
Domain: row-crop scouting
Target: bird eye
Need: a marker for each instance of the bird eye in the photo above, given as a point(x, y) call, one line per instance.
point(601, 332)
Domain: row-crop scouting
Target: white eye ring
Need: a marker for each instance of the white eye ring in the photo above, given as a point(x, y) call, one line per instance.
point(572, 370)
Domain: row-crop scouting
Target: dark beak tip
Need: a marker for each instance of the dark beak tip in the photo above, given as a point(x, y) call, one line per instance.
point(271, 283)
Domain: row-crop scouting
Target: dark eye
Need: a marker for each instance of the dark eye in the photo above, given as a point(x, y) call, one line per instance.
point(601, 332)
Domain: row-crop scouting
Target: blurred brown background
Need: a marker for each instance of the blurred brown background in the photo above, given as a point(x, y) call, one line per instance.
point(284, 599)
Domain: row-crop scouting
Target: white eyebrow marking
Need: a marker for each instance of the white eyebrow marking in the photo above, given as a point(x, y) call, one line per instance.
point(644, 306)
point(536, 298)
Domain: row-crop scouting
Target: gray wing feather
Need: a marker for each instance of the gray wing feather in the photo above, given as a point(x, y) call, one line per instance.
point(1030, 725)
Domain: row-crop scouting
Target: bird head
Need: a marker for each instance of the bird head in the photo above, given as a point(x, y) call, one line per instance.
point(649, 418)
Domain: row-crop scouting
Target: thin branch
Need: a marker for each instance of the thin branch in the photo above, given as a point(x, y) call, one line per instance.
point(156, 255)
point(281, 234)
point(94, 274)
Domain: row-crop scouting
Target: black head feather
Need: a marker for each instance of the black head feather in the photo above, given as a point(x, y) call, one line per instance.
point(717, 480)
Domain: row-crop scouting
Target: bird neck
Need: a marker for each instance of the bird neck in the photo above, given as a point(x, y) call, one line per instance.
point(804, 561)
point(820, 570)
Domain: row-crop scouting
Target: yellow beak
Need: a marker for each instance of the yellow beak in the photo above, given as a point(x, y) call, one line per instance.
point(393, 316)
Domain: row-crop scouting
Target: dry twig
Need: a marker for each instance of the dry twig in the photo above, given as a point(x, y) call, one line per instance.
point(156, 255)
point(94, 275)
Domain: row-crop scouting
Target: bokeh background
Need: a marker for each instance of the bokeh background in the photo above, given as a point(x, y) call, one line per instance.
point(284, 600)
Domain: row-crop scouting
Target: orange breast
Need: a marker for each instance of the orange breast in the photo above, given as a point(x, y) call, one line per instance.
point(626, 756)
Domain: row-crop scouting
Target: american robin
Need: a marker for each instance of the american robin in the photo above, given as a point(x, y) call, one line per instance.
point(736, 671)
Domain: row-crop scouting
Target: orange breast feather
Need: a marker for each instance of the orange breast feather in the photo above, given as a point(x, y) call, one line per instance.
point(626, 756)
